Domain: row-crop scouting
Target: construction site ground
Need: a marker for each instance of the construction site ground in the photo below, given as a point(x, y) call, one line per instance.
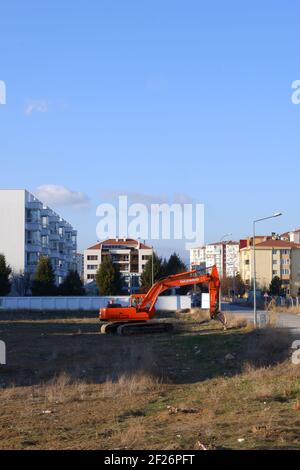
point(66, 386)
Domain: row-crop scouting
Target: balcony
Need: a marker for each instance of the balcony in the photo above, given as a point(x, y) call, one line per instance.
point(54, 236)
point(35, 205)
point(32, 247)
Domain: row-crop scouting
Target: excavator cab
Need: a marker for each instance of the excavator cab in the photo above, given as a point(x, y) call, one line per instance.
point(135, 299)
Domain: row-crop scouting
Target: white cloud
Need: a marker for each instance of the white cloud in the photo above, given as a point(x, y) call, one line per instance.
point(59, 196)
point(38, 106)
point(147, 199)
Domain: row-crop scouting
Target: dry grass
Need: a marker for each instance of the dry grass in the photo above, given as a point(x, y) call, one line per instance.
point(236, 321)
point(89, 391)
point(199, 314)
point(269, 346)
point(272, 307)
point(130, 436)
point(62, 389)
point(131, 385)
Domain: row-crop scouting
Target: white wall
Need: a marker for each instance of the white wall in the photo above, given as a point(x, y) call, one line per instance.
point(170, 302)
point(12, 227)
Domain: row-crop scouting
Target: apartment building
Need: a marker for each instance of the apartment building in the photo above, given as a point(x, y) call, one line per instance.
point(30, 229)
point(274, 257)
point(130, 255)
point(225, 255)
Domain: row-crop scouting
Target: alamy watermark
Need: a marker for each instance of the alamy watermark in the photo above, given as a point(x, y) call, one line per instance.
point(295, 98)
point(2, 353)
point(156, 222)
point(2, 92)
point(296, 352)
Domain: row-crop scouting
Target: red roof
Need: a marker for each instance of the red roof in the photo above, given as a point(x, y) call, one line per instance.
point(277, 244)
point(286, 234)
point(121, 241)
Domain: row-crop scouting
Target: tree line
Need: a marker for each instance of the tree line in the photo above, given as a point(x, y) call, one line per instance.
point(43, 282)
point(108, 277)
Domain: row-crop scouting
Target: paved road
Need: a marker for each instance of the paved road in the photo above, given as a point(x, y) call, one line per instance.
point(285, 320)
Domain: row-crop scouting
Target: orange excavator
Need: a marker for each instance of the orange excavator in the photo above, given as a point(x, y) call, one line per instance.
point(137, 317)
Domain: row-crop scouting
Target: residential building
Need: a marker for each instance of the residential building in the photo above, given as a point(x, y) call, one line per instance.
point(130, 255)
point(292, 236)
point(30, 229)
point(274, 257)
point(225, 255)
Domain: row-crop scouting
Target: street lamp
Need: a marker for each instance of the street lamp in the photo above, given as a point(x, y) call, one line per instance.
point(222, 266)
point(152, 267)
point(276, 214)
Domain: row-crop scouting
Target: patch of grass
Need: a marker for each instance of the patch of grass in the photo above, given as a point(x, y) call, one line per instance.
point(131, 385)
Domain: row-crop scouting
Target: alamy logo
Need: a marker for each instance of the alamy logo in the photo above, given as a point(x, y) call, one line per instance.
point(296, 94)
point(2, 353)
point(2, 92)
point(158, 222)
point(296, 352)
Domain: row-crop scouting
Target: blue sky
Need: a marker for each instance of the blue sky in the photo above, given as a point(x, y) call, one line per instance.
point(154, 98)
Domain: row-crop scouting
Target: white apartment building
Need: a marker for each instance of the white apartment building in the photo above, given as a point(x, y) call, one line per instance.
point(225, 255)
point(29, 229)
point(130, 255)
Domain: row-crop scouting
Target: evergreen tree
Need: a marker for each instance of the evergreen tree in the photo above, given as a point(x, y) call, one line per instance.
point(159, 271)
point(108, 278)
point(275, 286)
point(44, 279)
point(5, 273)
point(72, 284)
point(239, 285)
point(175, 265)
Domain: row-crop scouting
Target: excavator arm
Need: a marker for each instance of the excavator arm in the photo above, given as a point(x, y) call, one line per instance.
point(184, 279)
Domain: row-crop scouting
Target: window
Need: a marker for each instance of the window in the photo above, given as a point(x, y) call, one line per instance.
point(91, 276)
point(92, 266)
point(274, 261)
point(92, 257)
point(45, 221)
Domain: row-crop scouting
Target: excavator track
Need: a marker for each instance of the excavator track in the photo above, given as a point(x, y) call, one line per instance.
point(136, 328)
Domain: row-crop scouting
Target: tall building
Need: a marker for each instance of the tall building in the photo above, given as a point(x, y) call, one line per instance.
point(225, 255)
point(274, 257)
point(130, 255)
point(30, 229)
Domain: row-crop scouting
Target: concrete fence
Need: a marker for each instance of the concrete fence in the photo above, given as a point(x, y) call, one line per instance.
point(170, 302)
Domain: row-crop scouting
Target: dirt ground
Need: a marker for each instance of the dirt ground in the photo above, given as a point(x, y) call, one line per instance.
point(66, 386)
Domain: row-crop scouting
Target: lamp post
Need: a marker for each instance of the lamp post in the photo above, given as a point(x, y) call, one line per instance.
point(152, 267)
point(222, 273)
point(276, 214)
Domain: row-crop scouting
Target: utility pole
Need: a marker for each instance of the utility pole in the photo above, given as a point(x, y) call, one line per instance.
point(276, 214)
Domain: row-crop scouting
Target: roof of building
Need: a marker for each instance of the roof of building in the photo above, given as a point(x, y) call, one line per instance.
point(286, 234)
point(229, 242)
point(277, 244)
point(119, 241)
